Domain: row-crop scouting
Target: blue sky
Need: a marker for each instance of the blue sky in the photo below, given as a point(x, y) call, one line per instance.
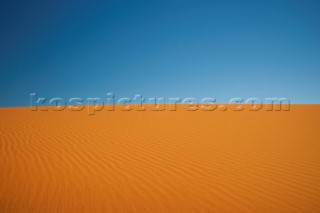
point(220, 49)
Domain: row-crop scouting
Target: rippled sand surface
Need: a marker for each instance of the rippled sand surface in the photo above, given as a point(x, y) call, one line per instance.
point(220, 161)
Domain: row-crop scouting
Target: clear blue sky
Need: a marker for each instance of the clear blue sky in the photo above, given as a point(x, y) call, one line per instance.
point(220, 49)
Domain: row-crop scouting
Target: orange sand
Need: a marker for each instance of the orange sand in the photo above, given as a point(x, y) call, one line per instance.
point(160, 161)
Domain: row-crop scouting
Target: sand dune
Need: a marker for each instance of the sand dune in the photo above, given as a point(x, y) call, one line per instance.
point(160, 161)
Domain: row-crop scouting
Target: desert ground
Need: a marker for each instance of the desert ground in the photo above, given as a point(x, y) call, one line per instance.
point(160, 161)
